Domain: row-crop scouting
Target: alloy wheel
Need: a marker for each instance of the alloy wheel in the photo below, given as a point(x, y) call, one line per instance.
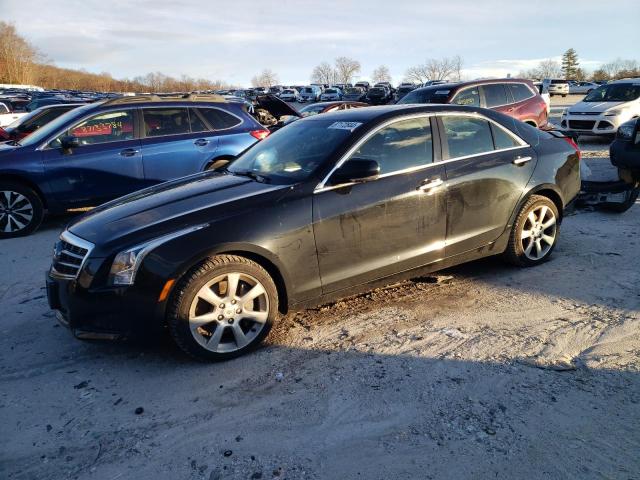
point(229, 312)
point(16, 211)
point(538, 232)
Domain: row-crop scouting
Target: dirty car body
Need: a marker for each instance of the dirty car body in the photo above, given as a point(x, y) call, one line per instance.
point(318, 234)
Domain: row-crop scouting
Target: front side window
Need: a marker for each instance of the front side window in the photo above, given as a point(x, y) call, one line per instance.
point(494, 95)
point(160, 122)
point(404, 144)
point(469, 97)
point(467, 136)
point(104, 128)
point(519, 91)
point(219, 119)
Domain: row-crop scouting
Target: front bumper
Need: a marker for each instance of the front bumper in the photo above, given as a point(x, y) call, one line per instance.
point(106, 313)
point(591, 124)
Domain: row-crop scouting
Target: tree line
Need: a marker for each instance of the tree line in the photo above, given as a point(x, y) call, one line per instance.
point(569, 68)
point(21, 63)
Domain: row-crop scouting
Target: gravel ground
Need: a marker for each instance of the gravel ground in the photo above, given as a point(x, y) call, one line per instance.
point(482, 371)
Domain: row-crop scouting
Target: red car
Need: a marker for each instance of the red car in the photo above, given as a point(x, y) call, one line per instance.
point(514, 97)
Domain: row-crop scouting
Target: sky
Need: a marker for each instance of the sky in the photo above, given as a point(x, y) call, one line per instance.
point(233, 41)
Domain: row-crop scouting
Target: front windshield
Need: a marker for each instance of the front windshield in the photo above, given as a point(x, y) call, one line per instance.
point(330, 90)
point(353, 91)
point(53, 126)
point(22, 119)
point(620, 92)
point(426, 95)
point(294, 153)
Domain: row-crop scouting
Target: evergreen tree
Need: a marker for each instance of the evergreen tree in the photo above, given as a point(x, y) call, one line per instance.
point(570, 64)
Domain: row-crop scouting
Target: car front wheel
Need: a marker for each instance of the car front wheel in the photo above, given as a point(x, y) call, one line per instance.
point(534, 234)
point(223, 308)
point(21, 210)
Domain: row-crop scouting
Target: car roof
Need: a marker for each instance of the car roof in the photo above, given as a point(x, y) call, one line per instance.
point(372, 114)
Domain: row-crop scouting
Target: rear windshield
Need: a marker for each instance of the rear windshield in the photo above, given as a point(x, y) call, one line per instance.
point(558, 81)
point(307, 90)
point(352, 90)
point(294, 153)
point(288, 91)
point(618, 92)
point(427, 95)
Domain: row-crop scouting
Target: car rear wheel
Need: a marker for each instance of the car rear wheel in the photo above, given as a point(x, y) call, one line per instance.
point(21, 210)
point(534, 234)
point(223, 308)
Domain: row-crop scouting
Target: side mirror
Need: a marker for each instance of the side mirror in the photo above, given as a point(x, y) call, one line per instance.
point(68, 142)
point(636, 135)
point(356, 170)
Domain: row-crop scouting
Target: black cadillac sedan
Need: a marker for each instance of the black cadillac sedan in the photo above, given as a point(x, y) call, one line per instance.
point(328, 206)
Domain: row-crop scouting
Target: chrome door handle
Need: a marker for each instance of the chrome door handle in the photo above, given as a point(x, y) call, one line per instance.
point(423, 187)
point(129, 152)
point(521, 160)
point(201, 142)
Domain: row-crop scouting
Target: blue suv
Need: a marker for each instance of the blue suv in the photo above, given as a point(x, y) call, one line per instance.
point(101, 151)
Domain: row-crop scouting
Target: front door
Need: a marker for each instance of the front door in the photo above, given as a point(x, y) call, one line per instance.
point(394, 223)
point(106, 164)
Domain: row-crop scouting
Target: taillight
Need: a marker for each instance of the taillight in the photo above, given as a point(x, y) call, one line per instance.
point(260, 134)
point(570, 141)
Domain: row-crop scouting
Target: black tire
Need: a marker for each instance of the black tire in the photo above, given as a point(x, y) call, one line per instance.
point(630, 200)
point(15, 212)
point(515, 251)
point(198, 277)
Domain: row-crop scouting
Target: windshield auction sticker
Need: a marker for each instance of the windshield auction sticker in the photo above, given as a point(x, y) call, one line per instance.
point(351, 126)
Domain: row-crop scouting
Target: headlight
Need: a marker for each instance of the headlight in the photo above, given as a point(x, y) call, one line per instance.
point(613, 113)
point(126, 264)
point(625, 130)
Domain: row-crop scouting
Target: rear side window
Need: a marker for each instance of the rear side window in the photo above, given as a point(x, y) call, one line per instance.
point(219, 119)
point(494, 95)
point(519, 91)
point(502, 139)
point(470, 96)
point(160, 122)
point(104, 128)
point(467, 136)
point(404, 144)
point(196, 122)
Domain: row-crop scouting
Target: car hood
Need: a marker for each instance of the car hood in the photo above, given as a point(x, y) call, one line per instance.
point(167, 207)
point(595, 107)
point(275, 106)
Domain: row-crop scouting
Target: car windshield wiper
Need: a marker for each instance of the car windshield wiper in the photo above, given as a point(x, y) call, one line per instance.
point(251, 174)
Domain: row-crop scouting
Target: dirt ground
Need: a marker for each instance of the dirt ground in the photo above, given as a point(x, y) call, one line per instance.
point(483, 371)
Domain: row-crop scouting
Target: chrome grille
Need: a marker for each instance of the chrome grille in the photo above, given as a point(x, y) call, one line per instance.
point(69, 255)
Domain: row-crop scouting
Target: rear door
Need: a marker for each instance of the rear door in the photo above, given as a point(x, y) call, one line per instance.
point(176, 142)
point(106, 165)
point(487, 169)
point(496, 97)
point(374, 229)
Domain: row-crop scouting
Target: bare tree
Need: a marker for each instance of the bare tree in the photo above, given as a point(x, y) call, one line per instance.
point(436, 69)
point(323, 73)
point(267, 78)
point(545, 69)
point(346, 68)
point(381, 74)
